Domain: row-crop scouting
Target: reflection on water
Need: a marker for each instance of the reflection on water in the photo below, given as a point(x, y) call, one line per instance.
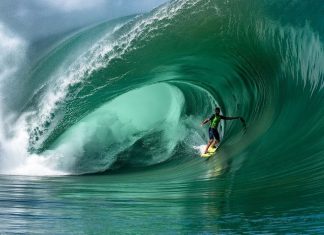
point(128, 204)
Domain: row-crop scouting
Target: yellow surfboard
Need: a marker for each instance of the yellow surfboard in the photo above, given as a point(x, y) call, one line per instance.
point(211, 152)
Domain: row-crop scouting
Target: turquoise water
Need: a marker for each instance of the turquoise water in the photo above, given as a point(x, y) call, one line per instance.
point(105, 136)
point(127, 204)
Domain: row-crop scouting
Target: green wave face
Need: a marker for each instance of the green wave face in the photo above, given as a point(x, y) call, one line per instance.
point(141, 76)
point(129, 95)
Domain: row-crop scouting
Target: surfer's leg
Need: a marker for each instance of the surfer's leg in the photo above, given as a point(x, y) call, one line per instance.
point(209, 143)
point(216, 138)
point(214, 143)
point(211, 139)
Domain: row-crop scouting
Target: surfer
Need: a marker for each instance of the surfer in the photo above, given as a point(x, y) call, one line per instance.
point(212, 131)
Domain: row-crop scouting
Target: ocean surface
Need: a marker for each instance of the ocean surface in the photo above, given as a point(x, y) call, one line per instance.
point(100, 132)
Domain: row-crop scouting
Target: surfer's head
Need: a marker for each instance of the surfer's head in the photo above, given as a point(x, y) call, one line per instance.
point(217, 110)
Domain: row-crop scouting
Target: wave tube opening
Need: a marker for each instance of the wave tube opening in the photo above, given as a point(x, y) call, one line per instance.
point(146, 117)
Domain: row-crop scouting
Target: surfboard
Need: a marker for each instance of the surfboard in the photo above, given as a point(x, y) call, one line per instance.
point(211, 152)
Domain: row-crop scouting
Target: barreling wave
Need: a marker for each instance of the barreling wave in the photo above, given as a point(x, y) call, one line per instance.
point(131, 93)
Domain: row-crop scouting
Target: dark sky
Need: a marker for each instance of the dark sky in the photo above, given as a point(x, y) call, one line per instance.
point(33, 19)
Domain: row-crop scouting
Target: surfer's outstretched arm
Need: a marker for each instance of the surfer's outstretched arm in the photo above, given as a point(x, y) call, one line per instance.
point(232, 118)
point(229, 118)
point(204, 122)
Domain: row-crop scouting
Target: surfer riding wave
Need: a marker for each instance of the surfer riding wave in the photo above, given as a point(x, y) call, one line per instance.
point(213, 127)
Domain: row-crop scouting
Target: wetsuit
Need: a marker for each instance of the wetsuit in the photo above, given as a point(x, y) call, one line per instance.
point(213, 132)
